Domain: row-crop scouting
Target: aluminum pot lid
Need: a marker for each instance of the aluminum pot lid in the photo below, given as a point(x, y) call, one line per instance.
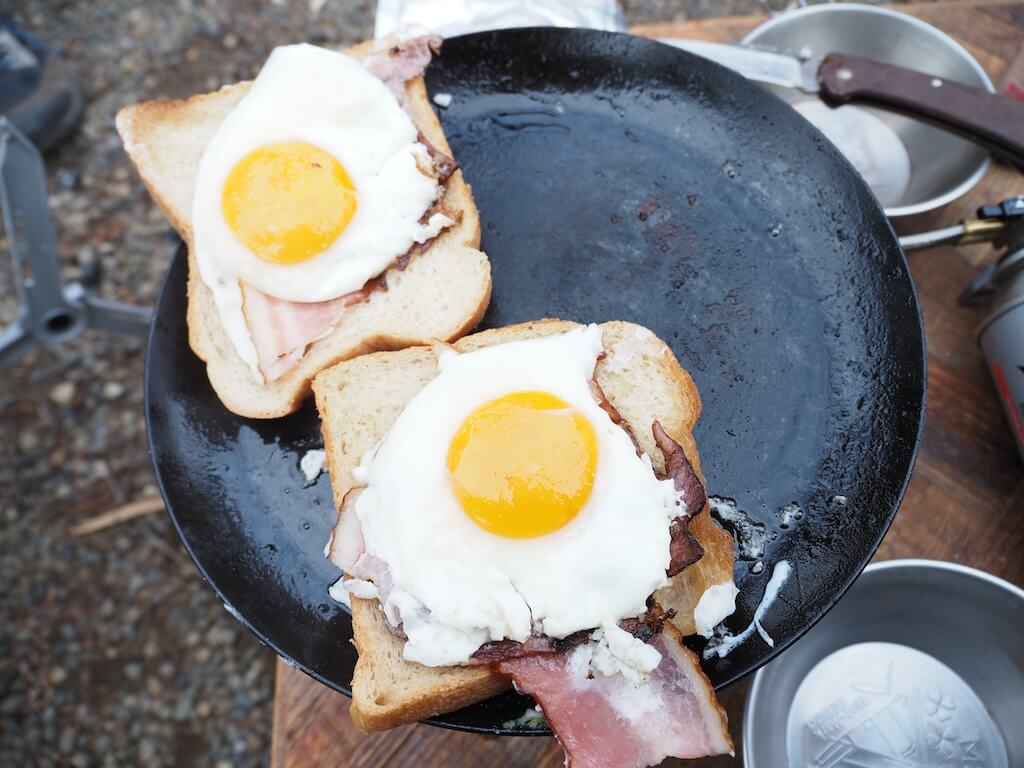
point(883, 704)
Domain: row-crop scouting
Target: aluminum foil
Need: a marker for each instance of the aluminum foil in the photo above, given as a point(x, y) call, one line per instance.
point(455, 17)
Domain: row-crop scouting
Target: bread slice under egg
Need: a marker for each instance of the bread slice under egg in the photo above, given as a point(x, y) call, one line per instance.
point(360, 399)
point(441, 294)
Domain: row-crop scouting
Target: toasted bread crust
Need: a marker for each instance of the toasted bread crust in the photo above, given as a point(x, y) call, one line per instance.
point(434, 691)
point(165, 141)
point(360, 399)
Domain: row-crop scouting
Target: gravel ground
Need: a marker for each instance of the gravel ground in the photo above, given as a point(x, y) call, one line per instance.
point(112, 650)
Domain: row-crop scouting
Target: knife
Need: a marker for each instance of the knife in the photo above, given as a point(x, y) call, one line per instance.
point(991, 120)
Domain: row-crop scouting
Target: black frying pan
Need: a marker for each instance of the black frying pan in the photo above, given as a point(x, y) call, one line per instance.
point(617, 178)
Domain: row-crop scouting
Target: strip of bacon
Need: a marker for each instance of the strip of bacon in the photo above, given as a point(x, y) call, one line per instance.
point(678, 467)
point(608, 722)
point(417, 248)
point(404, 61)
point(644, 627)
point(281, 330)
point(444, 166)
point(684, 549)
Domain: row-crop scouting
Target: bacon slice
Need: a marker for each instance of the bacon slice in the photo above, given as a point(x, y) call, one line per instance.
point(417, 248)
point(644, 627)
point(501, 650)
point(281, 330)
point(678, 467)
point(402, 62)
point(443, 165)
point(684, 549)
point(607, 722)
point(613, 413)
point(347, 549)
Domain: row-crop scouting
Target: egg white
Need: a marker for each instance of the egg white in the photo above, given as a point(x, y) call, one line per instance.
point(453, 585)
point(310, 94)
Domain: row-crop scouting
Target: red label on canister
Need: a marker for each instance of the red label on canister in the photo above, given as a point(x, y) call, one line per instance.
point(1013, 408)
point(1002, 341)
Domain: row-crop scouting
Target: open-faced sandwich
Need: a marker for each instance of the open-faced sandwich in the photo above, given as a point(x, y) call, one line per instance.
point(526, 507)
point(323, 213)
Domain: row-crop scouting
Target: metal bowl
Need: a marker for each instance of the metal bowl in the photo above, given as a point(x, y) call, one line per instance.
point(942, 166)
point(921, 663)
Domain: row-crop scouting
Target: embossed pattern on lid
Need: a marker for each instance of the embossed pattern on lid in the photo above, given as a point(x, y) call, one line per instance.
point(882, 705)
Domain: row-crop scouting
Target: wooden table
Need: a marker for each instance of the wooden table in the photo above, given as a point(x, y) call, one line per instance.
point(965, 502)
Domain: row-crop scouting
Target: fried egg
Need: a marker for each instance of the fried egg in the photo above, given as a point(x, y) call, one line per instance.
point(504, 502)
point(315, 183)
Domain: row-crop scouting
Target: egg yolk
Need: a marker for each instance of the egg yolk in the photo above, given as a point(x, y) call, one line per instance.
point(287, 202)
point(523, 465)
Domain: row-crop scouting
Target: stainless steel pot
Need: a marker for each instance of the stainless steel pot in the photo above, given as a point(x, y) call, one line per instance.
point(921, 663)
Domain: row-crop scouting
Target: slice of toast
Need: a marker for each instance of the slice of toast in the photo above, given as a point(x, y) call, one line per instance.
point(441, 294)
point(360, 399)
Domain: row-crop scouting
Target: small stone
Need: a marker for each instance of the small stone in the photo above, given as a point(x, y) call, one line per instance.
point(166, 669)
point(133, 671)
point(62, 393)
point(203, 709)
point(67, 179)
point(220, 636)
point(224, 764)
point(79, 760)
point(230, 41)
point(28, 441)
point(58, 675)
point(113, 390)
point(183, 709)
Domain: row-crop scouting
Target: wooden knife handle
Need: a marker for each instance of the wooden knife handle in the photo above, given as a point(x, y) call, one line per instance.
point(996, 122)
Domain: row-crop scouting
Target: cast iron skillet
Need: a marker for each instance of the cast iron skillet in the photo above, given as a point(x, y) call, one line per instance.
point(616, 178)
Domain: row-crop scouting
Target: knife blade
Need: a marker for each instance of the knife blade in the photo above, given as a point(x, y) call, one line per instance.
point(756, 64)
point(988, 119)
